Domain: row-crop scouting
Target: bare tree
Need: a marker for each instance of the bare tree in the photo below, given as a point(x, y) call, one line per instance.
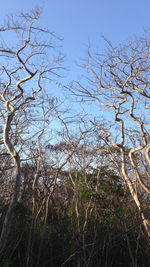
point(119, 83)
point(25, 63)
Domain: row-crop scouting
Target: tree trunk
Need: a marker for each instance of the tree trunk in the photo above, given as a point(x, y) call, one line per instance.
point(9, 215)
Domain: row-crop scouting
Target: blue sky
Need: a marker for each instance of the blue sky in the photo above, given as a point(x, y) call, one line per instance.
point(81, 22)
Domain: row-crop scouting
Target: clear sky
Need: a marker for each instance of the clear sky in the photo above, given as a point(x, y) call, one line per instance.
point(81, 22)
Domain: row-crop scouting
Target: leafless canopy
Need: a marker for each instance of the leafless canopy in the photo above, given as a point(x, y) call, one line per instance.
point(119, 82)
point(28, 58)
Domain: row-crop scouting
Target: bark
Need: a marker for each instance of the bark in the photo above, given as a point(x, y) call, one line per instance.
point(17, 176)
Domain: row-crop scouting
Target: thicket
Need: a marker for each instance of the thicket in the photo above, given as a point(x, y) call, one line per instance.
point(96, 224)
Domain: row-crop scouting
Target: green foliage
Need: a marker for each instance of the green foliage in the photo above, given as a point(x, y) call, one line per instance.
point(83, 191)
point(103, 230)
point(98, 227)
point(112, 219)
